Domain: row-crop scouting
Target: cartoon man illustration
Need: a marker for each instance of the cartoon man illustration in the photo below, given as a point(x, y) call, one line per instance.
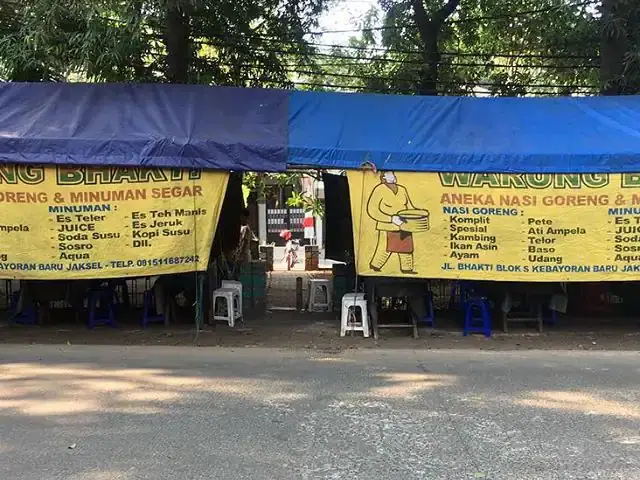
point(385, 202)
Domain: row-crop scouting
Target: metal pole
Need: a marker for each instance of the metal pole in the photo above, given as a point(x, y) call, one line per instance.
point(299, 305)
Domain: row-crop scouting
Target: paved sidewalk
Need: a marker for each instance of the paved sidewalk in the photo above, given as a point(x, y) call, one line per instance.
point(165, 413)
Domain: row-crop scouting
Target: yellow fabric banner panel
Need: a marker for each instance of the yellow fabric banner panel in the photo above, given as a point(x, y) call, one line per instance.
point(85, 222)
point(509, 227)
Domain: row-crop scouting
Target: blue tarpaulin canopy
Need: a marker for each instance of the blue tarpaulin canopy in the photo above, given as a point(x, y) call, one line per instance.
point(501, 135)
point(185, 126)
point(191, 126)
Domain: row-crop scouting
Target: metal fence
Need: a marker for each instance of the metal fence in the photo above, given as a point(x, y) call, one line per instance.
point(279, 219)
point(135, 286)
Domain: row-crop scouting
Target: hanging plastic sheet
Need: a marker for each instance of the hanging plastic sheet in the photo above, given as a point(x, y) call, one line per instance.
point(465, 134)
point(77, 223)
point(177, 126)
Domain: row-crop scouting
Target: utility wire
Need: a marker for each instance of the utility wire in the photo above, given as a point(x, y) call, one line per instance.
point(270, 83)
point(384, 50)
point(510, 86)
point(361, 59)
point(400, 79)
point(390, 50)
point(396, 91)
point(224, 39)
point(552, 8)
point(586, 89)
point(446, 64)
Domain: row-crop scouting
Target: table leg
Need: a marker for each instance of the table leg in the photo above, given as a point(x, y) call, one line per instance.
point(373, 314)
point(540, 319)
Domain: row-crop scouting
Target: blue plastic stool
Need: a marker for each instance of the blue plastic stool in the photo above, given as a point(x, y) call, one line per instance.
point(28, 316)
point(101, 308)
point(477, 318)
point(430, 317)
point(149, 314)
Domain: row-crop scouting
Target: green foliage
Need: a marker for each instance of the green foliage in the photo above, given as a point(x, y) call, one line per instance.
point(482, 43)
point(61, 39)
point(307, 203)
point(224, 43)
point(620, 33)
point(508, 47)
point(266, 185)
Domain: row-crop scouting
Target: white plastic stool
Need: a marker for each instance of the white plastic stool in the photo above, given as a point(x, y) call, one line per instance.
point(235, 285)
point(317, 285)
point(350, 302)
point(232, 303)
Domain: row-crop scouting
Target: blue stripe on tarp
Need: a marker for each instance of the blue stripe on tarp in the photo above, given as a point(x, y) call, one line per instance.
point(465, 134)
point(185, 126)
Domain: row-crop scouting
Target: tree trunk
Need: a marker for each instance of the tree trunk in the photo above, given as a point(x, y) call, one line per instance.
point(140, 71)
point(177, 41)
point(431, 59)
point(613, 45)
point(429, 30)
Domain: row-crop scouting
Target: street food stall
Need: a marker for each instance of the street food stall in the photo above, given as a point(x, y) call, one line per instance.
point(105, 181)
point(525, 195)
point(528, 192)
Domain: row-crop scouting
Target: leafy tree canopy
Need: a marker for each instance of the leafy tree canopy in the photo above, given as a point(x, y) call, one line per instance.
point(227, 42)
point(507, 47)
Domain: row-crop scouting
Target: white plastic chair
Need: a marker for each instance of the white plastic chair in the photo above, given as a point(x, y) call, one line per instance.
point(316, 286)
point(348, 322)
point(232, 305)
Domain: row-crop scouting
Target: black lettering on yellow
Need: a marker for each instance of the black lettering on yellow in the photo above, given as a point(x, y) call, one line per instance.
point(152, 175)
point(14, 174)
point(69, 175)
point(595, 180)
point(538, 180)
point(455, 179)
point(630, 180)
point(568, 180)
point(512, 180)
point(122, 175)
point(97, 175)
point(486, 179)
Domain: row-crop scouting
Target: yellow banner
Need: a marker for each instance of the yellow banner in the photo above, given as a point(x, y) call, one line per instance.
point(82, 222)
point(506, 227)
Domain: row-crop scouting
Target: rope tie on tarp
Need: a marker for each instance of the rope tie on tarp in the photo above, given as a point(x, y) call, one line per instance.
point(365, 166)
point(198, 279)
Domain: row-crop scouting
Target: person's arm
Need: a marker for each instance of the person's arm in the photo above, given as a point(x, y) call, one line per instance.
point(374, 207)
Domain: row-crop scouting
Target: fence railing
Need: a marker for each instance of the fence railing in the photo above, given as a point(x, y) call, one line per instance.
point(135, 286)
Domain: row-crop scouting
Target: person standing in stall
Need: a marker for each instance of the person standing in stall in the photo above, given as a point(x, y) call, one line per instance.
point(242, 253)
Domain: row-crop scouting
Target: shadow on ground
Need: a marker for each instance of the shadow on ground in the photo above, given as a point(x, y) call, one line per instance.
point(164, 413)
point(294, 330)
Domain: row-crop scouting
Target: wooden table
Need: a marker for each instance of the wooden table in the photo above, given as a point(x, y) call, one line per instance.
point(508, 317)
point(537, 295)
point(378, 287)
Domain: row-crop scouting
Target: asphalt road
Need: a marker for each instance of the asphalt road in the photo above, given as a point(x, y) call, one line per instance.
point(180, 413)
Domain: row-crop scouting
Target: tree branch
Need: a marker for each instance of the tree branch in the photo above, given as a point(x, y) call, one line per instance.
point(446, 11)
point(429, 30)
point(177, 40)
point(422, 19)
